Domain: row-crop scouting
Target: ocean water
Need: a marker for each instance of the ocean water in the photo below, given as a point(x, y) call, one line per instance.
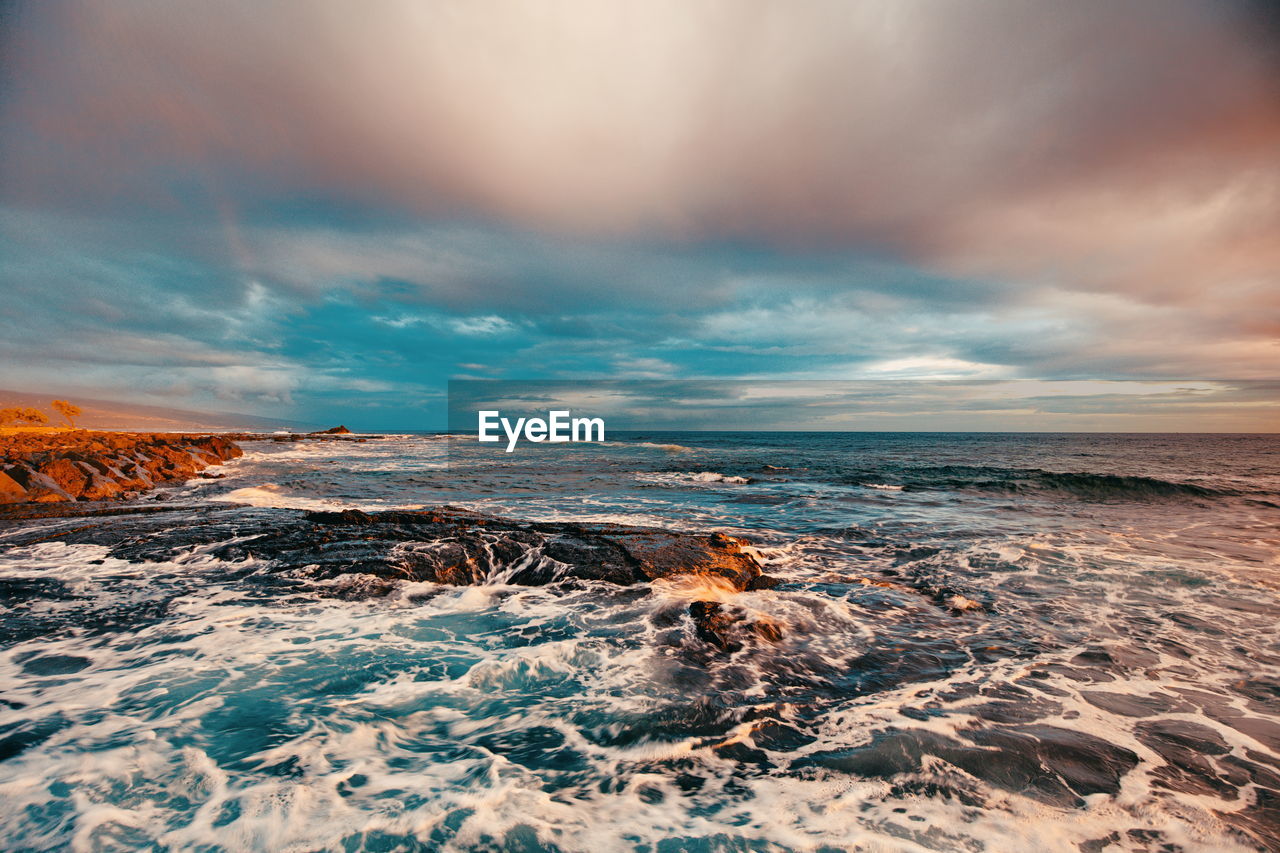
point(1111, 680)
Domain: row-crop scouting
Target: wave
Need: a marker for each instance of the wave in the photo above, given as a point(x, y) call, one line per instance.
point(1084, 485)
point(716, 477)
point(693, 477)
point(667, 446)
point(273, 496)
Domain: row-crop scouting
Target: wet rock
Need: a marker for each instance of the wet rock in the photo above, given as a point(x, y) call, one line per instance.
point(662, 554)
point(729, 627)
point(11, 491)
point(763, 582)
point(948, 591)
point(338, 430)
point(446, 545)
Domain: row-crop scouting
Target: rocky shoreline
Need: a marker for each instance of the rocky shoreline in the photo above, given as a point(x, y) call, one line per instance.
point(356, 555)
point(41, 473)
point(88, 465)
point(449, 545)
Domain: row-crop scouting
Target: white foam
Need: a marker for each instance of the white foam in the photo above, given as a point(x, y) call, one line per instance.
point(691, 477)
point(274, 495)
point(427, 697)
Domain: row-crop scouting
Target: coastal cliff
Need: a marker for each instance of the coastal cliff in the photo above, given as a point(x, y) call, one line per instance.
point(82, 465)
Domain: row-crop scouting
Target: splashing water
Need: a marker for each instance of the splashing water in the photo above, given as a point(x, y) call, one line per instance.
point(1116, 685)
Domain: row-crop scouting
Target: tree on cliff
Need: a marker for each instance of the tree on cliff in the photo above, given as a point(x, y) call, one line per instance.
point(22, 415)
point(69, 411)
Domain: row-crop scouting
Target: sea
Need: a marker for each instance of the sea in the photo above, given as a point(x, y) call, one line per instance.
point(985, 642)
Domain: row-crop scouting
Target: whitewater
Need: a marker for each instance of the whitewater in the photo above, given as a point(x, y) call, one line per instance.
point(1114, 686)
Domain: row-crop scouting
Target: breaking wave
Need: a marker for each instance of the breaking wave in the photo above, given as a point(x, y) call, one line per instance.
point(1093, 671)
point(693, 477)
point(1088, 486)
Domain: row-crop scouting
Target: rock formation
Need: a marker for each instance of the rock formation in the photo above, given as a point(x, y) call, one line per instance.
point(454, 546)
point(94, 466)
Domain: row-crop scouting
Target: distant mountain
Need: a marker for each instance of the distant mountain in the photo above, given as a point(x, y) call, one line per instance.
point(108, 414)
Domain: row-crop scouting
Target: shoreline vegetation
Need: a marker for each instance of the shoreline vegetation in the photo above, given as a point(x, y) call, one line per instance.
point(62, 465)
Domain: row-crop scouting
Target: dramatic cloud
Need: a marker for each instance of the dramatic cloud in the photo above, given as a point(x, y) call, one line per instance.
point(320, 197)
point(961, 405)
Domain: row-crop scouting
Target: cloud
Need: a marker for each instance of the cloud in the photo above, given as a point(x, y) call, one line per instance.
point(875, 122)
point(321, 197)
point(968, 405)
point(1088, 145)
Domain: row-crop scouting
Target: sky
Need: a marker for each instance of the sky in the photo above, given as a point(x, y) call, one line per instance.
point(325, 210)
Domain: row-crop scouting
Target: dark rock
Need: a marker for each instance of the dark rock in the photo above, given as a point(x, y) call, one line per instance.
point(728, 628)
point(338, 430)
point(18, 470)
point(454, 546)
point(763, 582)
point(11, 491)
